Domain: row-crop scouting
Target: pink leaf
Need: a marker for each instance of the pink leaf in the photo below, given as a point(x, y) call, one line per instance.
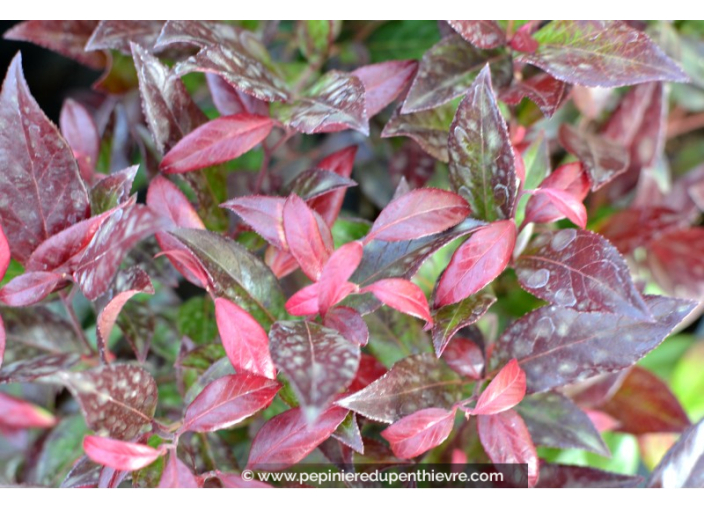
point(29, 288)
point(17, 413)
point(4, 254)
point(333, 285)
point(506, 390)
point(217, 141)
point(187, 264)
point(477, 262)
point(281, 263)
point(176, 475)
point(264, 214)
point(3, 340)
point(245, 342)
point(81, 133)
point(164, 197)
point(307, 235)
point(401, 295)
point(305, 301)
point(384, 82)
point(119, 455)
point(230, 101)
point(568, 205)
point(419, 432)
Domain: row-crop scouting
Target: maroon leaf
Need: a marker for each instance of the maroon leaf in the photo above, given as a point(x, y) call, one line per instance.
point(448, 69)
point(168, 108)
point(638, 226)
point(118, 34)
point(218, 141)
point(245, 342)
point(644, 404)
point(485, 34)
point(29, 370)
point(17, 413)
point(451, 318)
point(603, 159)
point(401, 295)
point(506, 440)
point(600, 54)
point(523, 41)
point(288, 437)
point(264, 214)
point(506, 390)
point(230, 101)
point(581, 270)
point(234, 481)
point(29, 288)
point(81, 133)
point(307, 235)
point(682, 465)
point(417, 214)
point(429, 129)
point(676, 262)
point(545, 91)
point(165, 198)
point(41, 187)
point(464, 357)
point(419, 432)
point(370, 369)
point(414, 383)
point(384, 82)
point(334, 103)
point(67, 37)
point(560, 476)
point(229, 400)
point(349, 323)
point(341, 163)
point(317, 361)
point(119, 455)
point(112, 190)
point(177, 475)
point(556, 346)
point(333, 286)
point(560, 195)
point(482, 167)
point(477, 262)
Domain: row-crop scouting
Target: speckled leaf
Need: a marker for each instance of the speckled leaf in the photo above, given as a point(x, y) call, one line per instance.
point(41, 190)
point(384, 82)
point(581, 270)
point(414, 383)
point(559, 476)
point(557, 346)
point(450, 319)
point(683, 464)
point(482, 165)
point(316, 182)
point(545, 91)
point(112, 190)
point(485, 34)
point(419, 432)
point(29, 288)
point(317, 361)
point(429, 129)
point(117, 34)
point(27, 370)
point(264, 214)
point(117, 400)
point(349, 323)
point(448, 69)
point(199, 33)
point(600, 54)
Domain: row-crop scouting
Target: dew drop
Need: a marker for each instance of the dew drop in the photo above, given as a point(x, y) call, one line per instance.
point(562, 239)
point(537, 279)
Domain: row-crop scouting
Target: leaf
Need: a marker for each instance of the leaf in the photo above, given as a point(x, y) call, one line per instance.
point(16, 413)
point(264, 214)
point(230, 101)
point(464, 357)
point(505, 391)
point(316, 182)
point(506, 440)
point(229, 400)
point(562, 476)
point(476, 263)
point(556, 346)
point(236, 274)
point(341, 163)
point(560, 195)
point(41, 187)
point(287, 438)
point(429, 129)
point(349, 435)
point(603, 159)
point(644, 404)
point(676, 263)
point(234, 481)
point(566, 204)
point(419, 213)
point(315, 37)
point(419, 432)
point(545, 91)
point(448, 69)
point(485, 34)
point(117, 34)
point(34, 331)
point(111, 243)
point(600, 54)
point(31, 369)
point(176, 475)
point(113, 190)
point(482, 165)
point(384, 82)
point(3, 340)
point(308, 237)
point(168, 109)
point(66, 37)
point(317, 361)
point(116, 400)
point(30, 288)
point(306, 301)
point(165, 198)
point(334, 103)
point(449, 319)
point(580, 270)
point(349, 323)
point(553, 420)
point(401, 295)
point(215, 142)
point(245, 342)
point(639, 226)
point(333, 286)
point(119, 455)
point(414, 383)
point(682, 464)
point(81, 133)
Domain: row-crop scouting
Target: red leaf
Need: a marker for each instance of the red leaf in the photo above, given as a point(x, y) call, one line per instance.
point(523, 42)
point(570, 179)
point(230, 101)
point(307, 235)
point(677, 263)
point(417, 214)
point(329, 205)
point(217, 141)
point(333, 286)
point(176, 475)
point(384, 82)
point(264, 214)
point(568, 205)
point(119, 455)
point(305, 301)
point(545, 91)
point(484, 34)
point(506, 440)
point(17, 413)
point(164, 197)
point(464, 357)
point(187, 264)
point(29, 288)
point(4, 254)
point(287, 438)
point(81, 133)
point(234, 481)
point(401, 295)
point(112, 190)
point(506, 390)
point(477, 262)
point(419, 432)
point(229, 400)
point(370, 369)
point(349, 323)
point(245, 342)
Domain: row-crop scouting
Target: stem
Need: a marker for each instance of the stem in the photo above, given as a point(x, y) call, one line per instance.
point(68, 305)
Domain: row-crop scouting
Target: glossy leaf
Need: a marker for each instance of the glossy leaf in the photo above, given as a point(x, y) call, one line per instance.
point(264, 214)
point(307, 236)
point(165, 198)
point(505, 391)
point(560, 195)
point(419, 432)
point(449, 319)
point(401, 295)
point(384, 82)
point(545, 91)
point(348, 434)
point(119, 455)
point(485, 34)
point(28, 370)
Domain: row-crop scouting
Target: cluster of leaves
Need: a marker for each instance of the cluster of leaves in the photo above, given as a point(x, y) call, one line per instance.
point(340, 319)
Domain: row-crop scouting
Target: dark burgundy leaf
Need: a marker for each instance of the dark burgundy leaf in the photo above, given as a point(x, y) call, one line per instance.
point(450, 319)
point(419, 432)
point(177, 475)
point(29, 288)
point(317, 361)
point(556, 346)
point(401, 295)
point(41, 186)
point(118, 34)
point(581, 270)
point(600, 54)
point(264, 214)
point(17, 413)
point(485, 34)
point(288, 437)
point(229, 400)
point(384, 82)
point(28, 370)
point(315, 182)
point(559, 476)
point(464, 357)
point(482, 167)
point(341, 163)
point(506, 440)
point(676, 261)
point(477, 262)
point(429, 129)
point(414, 383)
point(333, 285)
point(545, 91)
point(349, 323)
point(307, 235)
point(448, 69)
point(683, 464)
point(505, 391)
point(81, 133)
point(112, 190)
point(230, 101)
point(119, 455)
